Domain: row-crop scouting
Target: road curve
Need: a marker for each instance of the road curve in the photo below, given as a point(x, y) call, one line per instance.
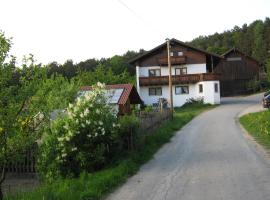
point(209, 159)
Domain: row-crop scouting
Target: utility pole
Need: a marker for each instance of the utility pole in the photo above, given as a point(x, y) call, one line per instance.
point(170, 76)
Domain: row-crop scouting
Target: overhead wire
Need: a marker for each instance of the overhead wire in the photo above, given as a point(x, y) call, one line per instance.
point(153, 28)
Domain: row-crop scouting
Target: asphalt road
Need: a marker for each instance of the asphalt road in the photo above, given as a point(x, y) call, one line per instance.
point(209, 159)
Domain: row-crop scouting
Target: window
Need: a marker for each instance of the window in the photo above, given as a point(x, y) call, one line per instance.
point(171, 53)
point(181, 71)
point(216, 87)
point(181, 90)
point(234, 59)
point(154, 72)
point(200, 88)
point(155, 91)
point(180, 53)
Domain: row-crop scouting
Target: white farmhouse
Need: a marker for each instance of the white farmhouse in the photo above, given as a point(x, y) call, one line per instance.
point(192, 74)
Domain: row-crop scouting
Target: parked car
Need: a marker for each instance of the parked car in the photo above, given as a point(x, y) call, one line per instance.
point(266, 101)
point(266, 93)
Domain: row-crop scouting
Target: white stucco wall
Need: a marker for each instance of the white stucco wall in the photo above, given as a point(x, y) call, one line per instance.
point(191, 69)
point(208, 94)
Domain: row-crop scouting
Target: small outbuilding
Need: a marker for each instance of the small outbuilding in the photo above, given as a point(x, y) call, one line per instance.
point(122, 95)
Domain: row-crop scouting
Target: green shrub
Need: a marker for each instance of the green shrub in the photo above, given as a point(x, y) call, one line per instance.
point(129, 125)
point(82, 140)
point(194, 101)
point(148, 109)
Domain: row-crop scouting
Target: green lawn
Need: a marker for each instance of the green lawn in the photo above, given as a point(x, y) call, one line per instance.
point(97, 185)
point(258, 125)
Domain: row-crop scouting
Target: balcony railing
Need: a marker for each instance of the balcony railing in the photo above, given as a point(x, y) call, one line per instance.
point(174, 60)
point(178, 79)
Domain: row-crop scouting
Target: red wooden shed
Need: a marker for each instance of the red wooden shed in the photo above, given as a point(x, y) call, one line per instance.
point(125, 96)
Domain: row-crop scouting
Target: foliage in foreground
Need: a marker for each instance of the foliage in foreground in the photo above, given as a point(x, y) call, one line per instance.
point(97, 185)
point(258, 125)
point(82, 139)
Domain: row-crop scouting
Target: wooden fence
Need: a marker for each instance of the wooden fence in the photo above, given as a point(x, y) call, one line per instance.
point(26, 164)
point(151, 120)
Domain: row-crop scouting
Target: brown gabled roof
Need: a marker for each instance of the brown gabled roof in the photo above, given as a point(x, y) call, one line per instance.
point(129, 91)
point(173, 40)
point(242, 53)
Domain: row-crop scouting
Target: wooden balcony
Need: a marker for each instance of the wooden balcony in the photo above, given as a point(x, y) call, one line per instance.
point(174, 60)
point(178, 79)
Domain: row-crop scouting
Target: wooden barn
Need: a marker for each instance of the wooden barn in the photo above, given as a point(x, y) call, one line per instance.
point(237, 70)
point(121, 95)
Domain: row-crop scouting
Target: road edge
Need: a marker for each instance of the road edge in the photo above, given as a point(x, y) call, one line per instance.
point(261, 150)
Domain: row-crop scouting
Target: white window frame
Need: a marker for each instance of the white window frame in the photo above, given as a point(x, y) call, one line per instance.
point(180, 53)
point(155, 93)
point(181, 86)
point(155, 74)
point(216, 87)
point(181, 70)
point(200, 87)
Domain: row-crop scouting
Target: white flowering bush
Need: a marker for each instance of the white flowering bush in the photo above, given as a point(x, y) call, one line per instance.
point(83, 139)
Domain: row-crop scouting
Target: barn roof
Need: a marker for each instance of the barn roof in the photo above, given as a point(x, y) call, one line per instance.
point(172, 41)
point(129, 92)
point(242, 53)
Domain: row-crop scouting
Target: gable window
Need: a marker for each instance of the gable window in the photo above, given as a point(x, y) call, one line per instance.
point(180, 53)
point(157, 91)
point(154, 72)
point(200, 88)
point(216, 87)
point(181, 90)
point(234, 59)
point(181, 71)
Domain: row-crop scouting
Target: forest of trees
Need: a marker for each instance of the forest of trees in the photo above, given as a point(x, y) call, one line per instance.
point(252, 39)
point(116, 64)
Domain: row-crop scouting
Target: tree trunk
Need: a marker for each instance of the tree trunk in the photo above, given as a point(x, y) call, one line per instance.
point(2, 179)
point(3, 167)
point(3, 172)
point(1, 193)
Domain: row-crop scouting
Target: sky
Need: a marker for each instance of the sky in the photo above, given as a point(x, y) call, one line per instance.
point(57, 30)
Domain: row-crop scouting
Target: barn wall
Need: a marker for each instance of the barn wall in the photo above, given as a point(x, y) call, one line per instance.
point(235, 75)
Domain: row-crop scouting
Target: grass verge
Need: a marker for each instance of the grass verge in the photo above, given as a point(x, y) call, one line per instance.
point(96, 185)
point(258, 125)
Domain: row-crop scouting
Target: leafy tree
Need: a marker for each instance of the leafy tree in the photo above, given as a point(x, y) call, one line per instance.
point(259, 50)
point(17, 113)
point(102, 74)
point(27, 99)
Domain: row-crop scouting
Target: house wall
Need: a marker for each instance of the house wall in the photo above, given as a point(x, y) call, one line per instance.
point(208, 94)
point(191, 69)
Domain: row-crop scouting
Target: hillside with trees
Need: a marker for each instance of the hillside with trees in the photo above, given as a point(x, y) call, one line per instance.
point(117, 65)
point(252, 39)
